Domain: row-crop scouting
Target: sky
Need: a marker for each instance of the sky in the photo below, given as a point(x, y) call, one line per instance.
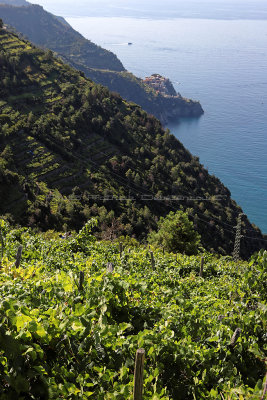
point(218, 9)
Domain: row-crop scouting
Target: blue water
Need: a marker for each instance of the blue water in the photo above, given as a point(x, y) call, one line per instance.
point(223, 64)
point(212, 57)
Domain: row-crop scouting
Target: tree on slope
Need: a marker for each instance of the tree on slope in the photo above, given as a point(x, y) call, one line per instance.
point(176, 233)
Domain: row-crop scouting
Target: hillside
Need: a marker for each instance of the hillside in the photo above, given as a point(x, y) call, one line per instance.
point(48, 31)
point(71, 150)
point(102, 66)
point(75, 311)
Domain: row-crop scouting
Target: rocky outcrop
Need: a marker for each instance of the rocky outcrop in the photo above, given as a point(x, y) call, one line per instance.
point(173, 105)
point(161, 85)
point(178, 107)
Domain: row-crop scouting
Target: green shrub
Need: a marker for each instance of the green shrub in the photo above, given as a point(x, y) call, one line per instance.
point(176, 233)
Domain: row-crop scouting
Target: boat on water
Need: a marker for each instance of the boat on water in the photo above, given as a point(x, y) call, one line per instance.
point(129, 43)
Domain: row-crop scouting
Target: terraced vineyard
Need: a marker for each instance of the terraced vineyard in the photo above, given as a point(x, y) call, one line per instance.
point(61, 337)
point(35, 93)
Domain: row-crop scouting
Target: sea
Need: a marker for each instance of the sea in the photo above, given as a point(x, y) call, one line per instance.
point(213, 51)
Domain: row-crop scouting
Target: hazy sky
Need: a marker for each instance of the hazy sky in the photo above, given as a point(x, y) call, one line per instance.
point(144, 2)
point(229, 9)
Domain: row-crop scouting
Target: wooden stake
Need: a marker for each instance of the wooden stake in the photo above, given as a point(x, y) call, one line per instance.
point(138, 374)
point(81, 280)
point(110, 268)
point(201, 267)
point(235, 336)
point(121, 249)
point(18, 257)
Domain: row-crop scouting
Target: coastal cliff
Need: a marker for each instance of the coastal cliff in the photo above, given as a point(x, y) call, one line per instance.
point(163, 105)
point(174, 105)
point(177, 107)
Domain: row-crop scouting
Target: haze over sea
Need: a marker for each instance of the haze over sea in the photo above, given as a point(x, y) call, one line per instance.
point(213, 51)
